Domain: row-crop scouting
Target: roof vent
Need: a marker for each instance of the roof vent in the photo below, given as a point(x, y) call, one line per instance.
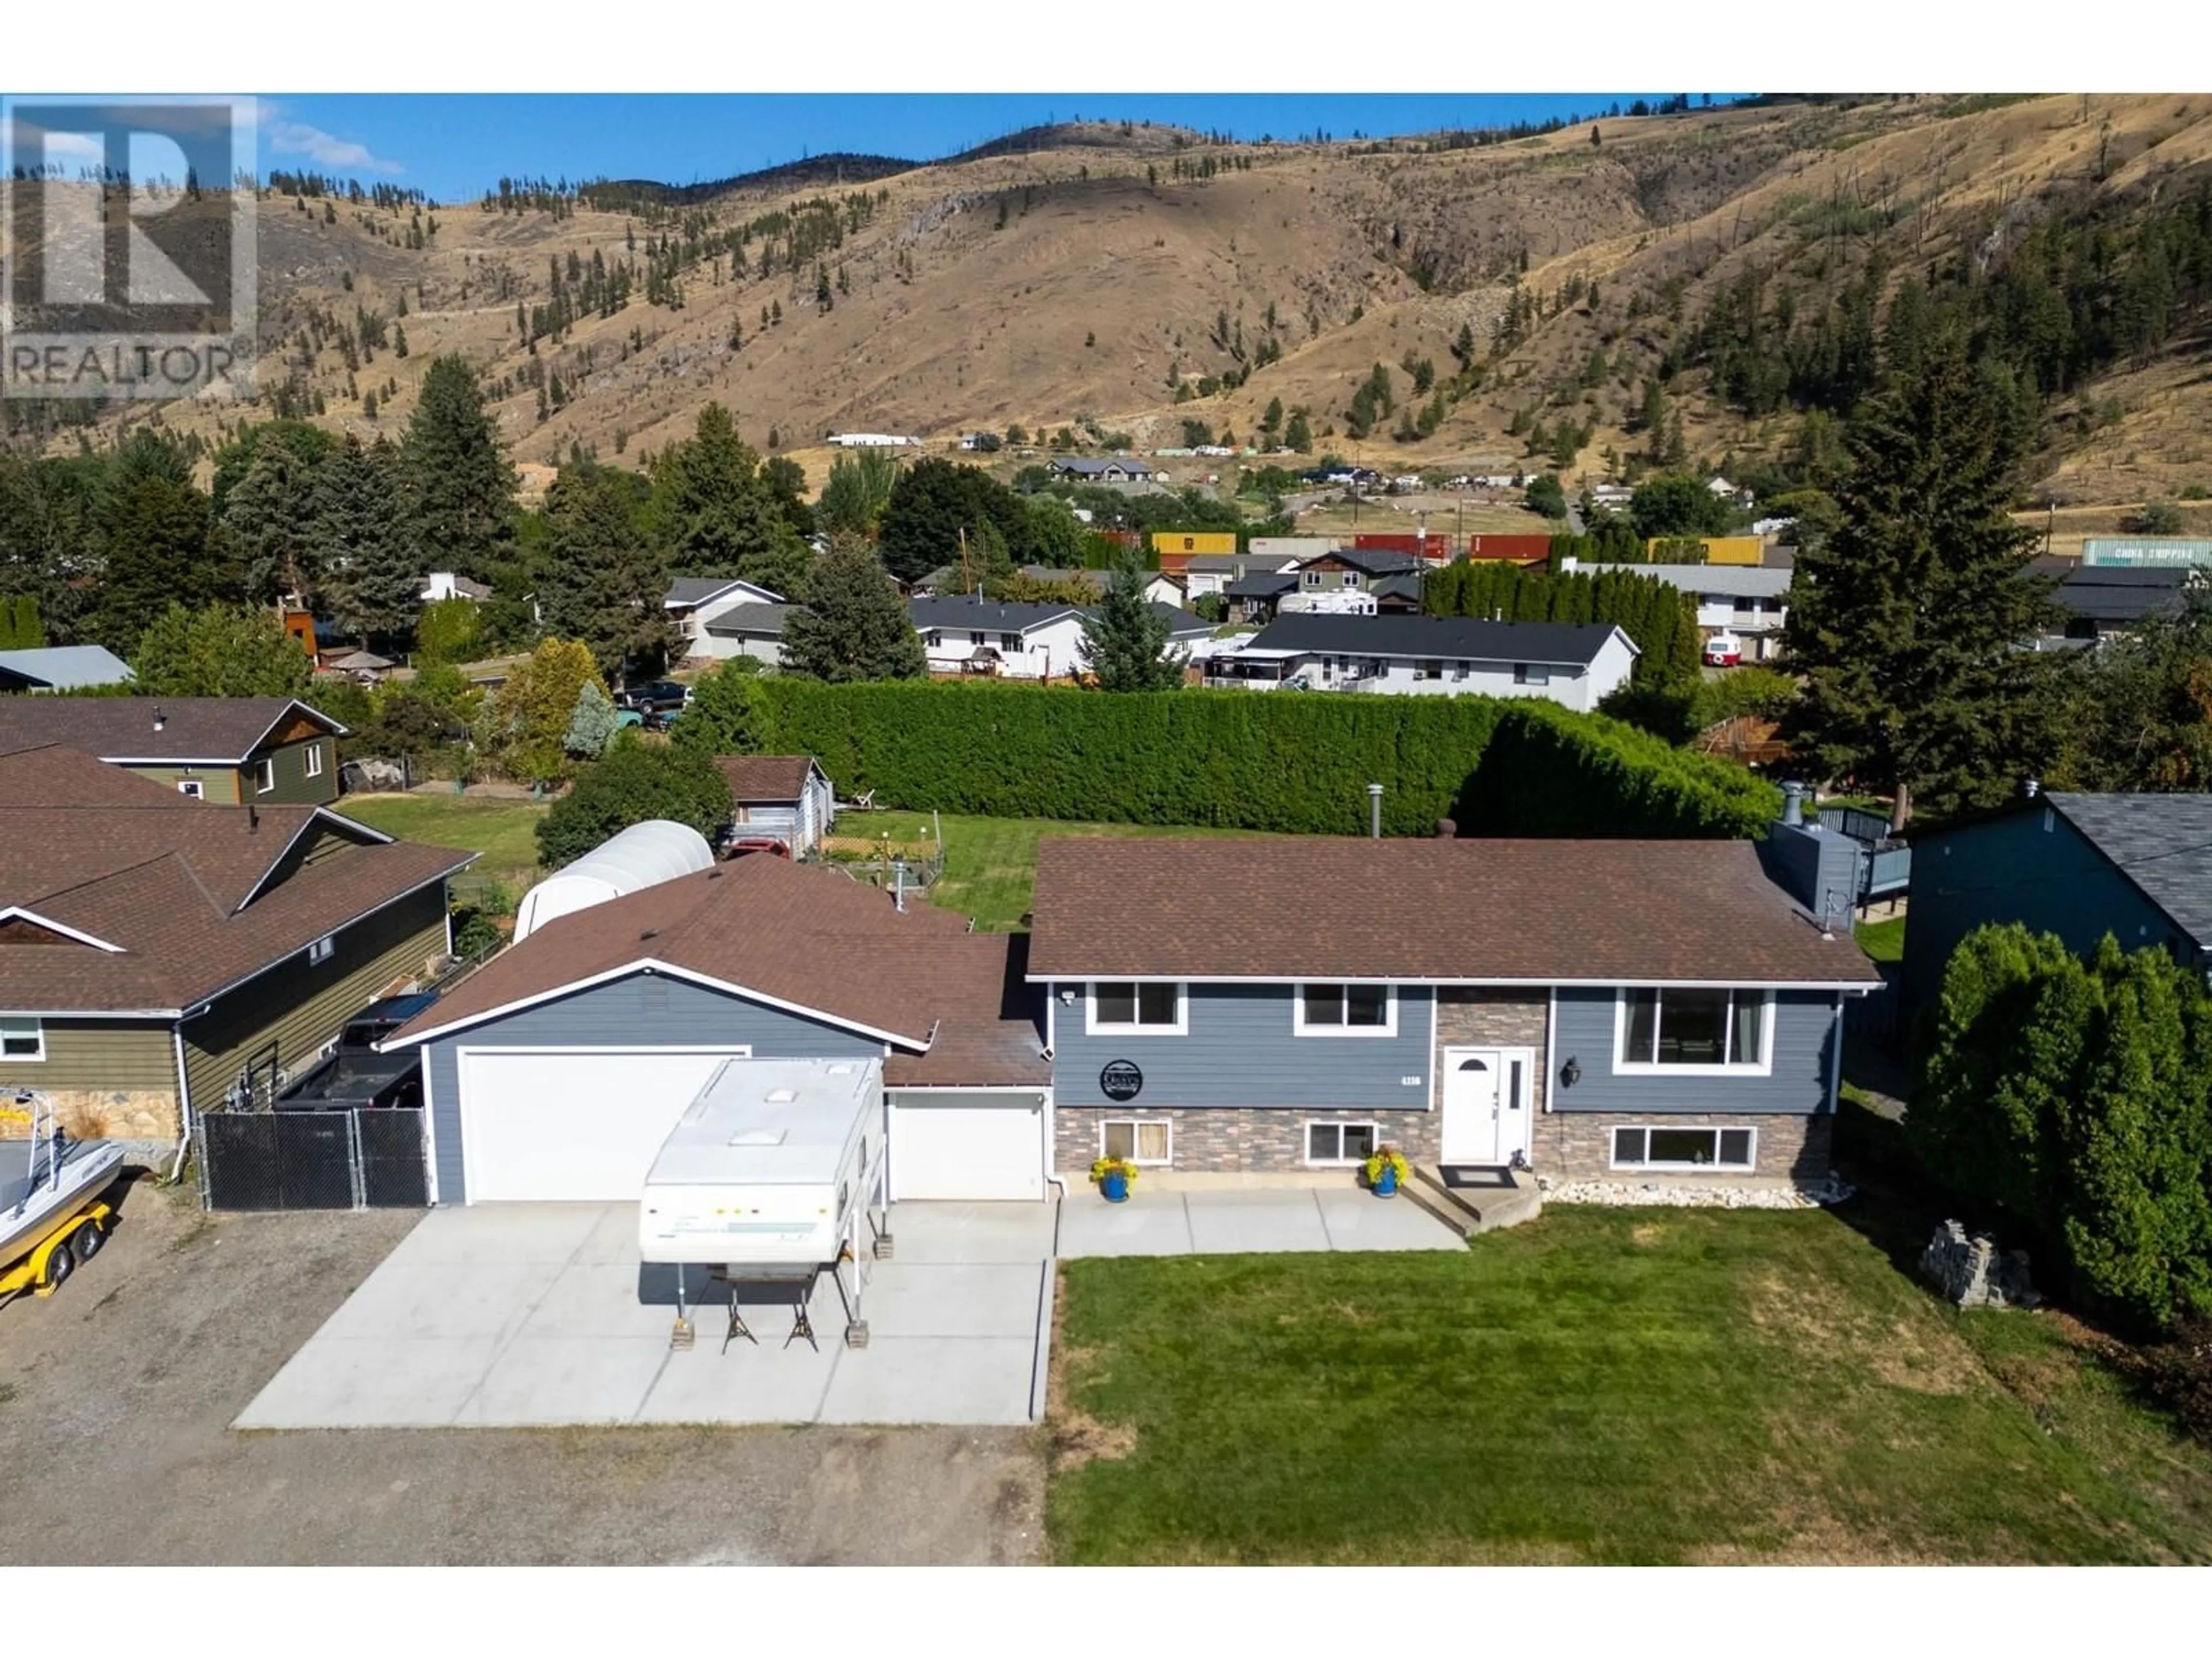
point(650, 933)
point(161, 718)
point(758, 1137)
point(782, 1096)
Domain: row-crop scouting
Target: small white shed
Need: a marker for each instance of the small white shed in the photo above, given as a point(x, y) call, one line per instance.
point(643, 855)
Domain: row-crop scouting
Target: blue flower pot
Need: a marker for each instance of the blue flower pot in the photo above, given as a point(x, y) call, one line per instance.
point(1386, 1184)
point(1115, 1188)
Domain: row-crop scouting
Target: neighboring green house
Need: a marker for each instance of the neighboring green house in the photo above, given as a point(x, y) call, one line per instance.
point(159, 957)
point(251, 750)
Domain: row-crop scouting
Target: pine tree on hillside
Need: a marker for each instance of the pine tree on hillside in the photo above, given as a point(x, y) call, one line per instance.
point(1909, 624)
point(855, 626)
point(1125, 641)
point(361, 545)
point(458, 485)
point(603, 582)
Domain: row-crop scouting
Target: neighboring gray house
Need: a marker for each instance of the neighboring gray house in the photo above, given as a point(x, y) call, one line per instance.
point(1748, 601)
point(1107, 470)
point(61, 668)
point(1595, 1008)
point(750, 630)
point(694, 604)
point(2138, 868)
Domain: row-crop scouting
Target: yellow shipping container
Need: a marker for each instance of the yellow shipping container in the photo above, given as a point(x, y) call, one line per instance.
point(1193, 541)
point(1725, 549)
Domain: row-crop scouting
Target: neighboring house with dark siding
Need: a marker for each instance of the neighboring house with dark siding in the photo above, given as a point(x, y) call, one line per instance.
point(2137, 867)
point(268, 751)
point(159, 957)
point(1594, 1008)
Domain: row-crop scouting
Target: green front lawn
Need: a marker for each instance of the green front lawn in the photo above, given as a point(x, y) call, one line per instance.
point(990, 869)
point(1599, 1385)
point(504, 831)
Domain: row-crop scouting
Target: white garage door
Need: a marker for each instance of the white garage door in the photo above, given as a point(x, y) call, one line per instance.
point(545, 1125)
point(968, 1146)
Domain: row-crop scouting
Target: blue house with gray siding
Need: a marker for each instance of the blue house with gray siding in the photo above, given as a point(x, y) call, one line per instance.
point(1590, 1009)
point(2138, 868)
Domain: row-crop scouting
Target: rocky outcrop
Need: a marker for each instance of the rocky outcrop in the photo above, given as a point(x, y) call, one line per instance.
point(1972, 1273)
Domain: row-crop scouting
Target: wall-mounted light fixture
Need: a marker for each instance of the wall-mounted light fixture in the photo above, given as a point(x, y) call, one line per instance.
point(1067, 998)
point(1570, 1074)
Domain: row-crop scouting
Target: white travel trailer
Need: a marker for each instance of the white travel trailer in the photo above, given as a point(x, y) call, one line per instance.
point(775, 1170)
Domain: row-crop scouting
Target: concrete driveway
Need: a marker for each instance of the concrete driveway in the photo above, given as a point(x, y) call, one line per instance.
point(534, 1315)
point(1235, 1223)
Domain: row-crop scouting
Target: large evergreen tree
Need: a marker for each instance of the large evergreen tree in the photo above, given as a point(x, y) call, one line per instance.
point(604, 582)
point(711, 509)
point(155, 530)
point(855, 626)
point(368, 568)
point(933, 503)
point(1125, 641)
point(458, 487)
point(270, 512)
point(1909, 624)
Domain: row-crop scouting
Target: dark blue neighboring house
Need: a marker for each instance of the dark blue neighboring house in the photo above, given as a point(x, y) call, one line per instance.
point(2138, 868)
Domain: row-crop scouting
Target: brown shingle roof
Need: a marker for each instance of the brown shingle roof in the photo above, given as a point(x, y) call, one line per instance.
point(765, 777)
point(802, 935)
point(214, 730)
point(986, 1032)
point(1530, 911)
point(93, 848)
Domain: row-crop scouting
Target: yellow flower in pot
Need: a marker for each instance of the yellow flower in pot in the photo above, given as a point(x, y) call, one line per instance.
point(1386, 1169)
point(1113, 1177)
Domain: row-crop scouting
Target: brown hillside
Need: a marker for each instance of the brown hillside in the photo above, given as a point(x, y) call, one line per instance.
point(1109, 272)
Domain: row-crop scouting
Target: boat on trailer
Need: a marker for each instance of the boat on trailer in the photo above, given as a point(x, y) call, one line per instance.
point(49, 1184)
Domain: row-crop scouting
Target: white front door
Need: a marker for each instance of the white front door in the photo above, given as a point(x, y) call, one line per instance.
point(1486, 1109)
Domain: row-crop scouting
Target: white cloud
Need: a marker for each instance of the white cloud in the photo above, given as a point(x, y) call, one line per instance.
point(52, 147)
point(341, 154)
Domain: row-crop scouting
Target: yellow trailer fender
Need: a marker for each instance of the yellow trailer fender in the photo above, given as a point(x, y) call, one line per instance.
point(52, 1261)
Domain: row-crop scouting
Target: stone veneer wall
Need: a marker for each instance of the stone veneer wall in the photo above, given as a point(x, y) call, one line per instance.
point(1488, 1016)
point(103, 1115)
point(1578, 1145)
point(1221, 1140)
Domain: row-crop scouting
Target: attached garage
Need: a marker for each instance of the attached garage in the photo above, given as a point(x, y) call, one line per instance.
point(968, 1144)
point(568, 1125)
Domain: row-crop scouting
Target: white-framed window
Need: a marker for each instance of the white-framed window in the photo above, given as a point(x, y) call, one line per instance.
point(264, 775)
point(932, 639)
point(1124, 1006)
point(1139, 1139)
point(1658, 1147)
point(1350, 578)
point(315, 758)
point(1532, 673)
point(22, 1039)
point(1692, 1030)
point(1345, 1011)
point(1313, 578)
point(191, 787)
point(1332, 1143)
point(1009, 641)
point(320, 951)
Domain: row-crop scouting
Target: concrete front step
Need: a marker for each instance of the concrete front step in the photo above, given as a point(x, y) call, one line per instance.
point(1470, 1209)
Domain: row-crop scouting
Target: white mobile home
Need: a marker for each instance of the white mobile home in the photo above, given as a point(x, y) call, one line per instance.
point(1575, 665)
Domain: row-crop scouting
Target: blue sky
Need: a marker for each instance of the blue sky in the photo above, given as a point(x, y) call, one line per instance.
point(454, 147)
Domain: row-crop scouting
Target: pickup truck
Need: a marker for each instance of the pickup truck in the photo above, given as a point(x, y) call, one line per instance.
point(356, 1075)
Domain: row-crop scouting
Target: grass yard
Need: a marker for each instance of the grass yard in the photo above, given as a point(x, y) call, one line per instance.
point(504, 831)
point(990, 865)
point(1882, 940)
point(1599, 1385)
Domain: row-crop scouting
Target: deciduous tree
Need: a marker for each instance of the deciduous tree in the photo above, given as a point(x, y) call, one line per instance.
point(221, 651)
point(635, 782)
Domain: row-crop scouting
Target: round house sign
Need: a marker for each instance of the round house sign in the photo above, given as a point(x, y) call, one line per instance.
point(1120, 1080)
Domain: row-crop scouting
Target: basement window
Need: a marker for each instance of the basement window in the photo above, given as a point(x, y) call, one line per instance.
point(1656, 1148)
point(1148, 1140)
point(1332, 1144)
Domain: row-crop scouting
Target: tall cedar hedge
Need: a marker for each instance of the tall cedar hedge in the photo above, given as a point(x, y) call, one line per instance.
point(1240, 760)
point(1662, 620)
